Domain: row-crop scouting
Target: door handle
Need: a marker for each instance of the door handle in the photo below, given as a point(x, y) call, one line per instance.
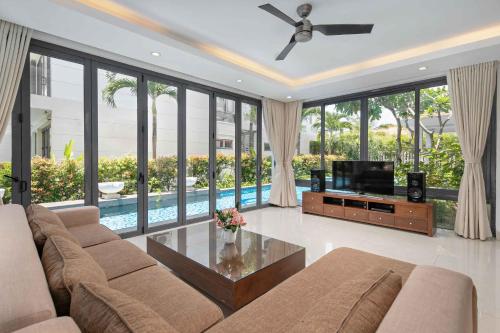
point(141, 178)
point(14, 179)
point(23, 185)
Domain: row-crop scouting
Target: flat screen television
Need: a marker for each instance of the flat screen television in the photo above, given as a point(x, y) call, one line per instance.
point(363, 176)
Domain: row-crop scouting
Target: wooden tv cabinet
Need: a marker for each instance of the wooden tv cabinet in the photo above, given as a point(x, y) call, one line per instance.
point(386, 211)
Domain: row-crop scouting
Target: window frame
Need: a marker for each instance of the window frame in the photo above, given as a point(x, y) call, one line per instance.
point(489, 161)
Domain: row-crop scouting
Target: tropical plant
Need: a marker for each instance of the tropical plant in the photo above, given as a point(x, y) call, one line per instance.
point(155, 90)
point(306, 114)
point(335, 124)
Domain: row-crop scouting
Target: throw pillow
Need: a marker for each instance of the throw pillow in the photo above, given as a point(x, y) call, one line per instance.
point(65, 264)
point(45, 223)
point(97, 308)
point(357, 305)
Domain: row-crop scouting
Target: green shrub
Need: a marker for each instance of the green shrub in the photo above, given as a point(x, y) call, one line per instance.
point(162, 174)
point(6, 183)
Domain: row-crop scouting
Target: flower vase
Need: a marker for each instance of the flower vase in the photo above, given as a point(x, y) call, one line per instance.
point(229, 236)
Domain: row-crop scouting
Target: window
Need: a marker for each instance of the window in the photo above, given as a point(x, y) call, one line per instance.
point(440, 153)
point(342, 129)
point(308, 154)
point(46, 142)
point(57, 131)
point(224, 144)
point(391, 132)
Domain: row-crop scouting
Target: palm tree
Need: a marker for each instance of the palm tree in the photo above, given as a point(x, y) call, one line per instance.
point(334, 122)
point(306, 114)
point(155, 90)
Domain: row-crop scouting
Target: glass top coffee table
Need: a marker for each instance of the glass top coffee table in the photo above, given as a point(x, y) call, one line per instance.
point(232, 274)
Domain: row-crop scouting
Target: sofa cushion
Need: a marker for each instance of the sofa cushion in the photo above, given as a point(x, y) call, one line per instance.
point(357, 305)
point(179, 304)
point(98, 308)
point(287, 302)
point(433, 300)
point(93, 234)
point(55, 325)
point(24, 298)
point(45, 223)
point(119, 257)
point(66, 264)
point(39, 213)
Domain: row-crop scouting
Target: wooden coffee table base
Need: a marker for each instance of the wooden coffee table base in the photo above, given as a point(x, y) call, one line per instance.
point(233, 294)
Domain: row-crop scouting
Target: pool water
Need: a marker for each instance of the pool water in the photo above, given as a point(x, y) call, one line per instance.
point(163, 210)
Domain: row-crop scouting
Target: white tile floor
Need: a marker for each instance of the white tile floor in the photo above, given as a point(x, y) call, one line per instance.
point(319, 235)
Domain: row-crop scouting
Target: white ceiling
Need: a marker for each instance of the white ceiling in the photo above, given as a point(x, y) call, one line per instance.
point(176, 28)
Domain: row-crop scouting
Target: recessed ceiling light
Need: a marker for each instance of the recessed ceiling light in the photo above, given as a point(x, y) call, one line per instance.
point(288, 97)
point(156, 54)
point(422, 68)
point(239, 80)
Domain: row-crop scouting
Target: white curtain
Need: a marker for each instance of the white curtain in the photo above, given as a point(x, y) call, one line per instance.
point(14, 43)
point(282, 122)
point(471, 90)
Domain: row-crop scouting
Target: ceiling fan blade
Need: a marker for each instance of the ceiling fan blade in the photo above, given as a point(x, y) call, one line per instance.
point(278, 13)
point(287, 49)
point(343, 29)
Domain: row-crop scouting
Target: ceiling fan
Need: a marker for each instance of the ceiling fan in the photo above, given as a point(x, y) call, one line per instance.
point(304, 28)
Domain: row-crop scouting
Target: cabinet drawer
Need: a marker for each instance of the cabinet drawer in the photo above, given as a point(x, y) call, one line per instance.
point(381, 218)
point(411, 212)
point(356, 214)
point(309, 197)
point(411, 223)
point(334, 211)
point(312, 208)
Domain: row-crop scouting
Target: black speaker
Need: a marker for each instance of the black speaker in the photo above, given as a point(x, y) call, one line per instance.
point(416, 186)
point(317, 180)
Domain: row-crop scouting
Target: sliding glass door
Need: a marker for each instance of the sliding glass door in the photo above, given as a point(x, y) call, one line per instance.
point(150, 150)
point(225, 159)
point(248, 155)
point(162, 154)
point(117, 150)
point(197, 155)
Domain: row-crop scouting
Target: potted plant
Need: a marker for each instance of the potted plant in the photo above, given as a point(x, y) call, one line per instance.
point(230, 220)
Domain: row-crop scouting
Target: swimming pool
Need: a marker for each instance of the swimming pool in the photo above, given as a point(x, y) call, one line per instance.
point(162, 209)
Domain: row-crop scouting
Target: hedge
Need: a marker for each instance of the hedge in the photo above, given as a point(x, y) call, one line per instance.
point(54, 181)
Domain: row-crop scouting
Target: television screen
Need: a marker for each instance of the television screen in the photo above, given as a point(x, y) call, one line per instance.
point(363, 176)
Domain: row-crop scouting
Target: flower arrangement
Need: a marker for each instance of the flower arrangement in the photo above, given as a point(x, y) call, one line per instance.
point(229, 219)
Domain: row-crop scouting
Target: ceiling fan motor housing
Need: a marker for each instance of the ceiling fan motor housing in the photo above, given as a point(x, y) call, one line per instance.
point(303, 33)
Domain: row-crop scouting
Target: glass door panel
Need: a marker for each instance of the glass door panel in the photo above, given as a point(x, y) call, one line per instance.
point(248, 155)
point(6, 165)
point(391, 132)
point(225, 153)
point(56, 132)
point(117, 150)
point(197, 152)
point(162, 154)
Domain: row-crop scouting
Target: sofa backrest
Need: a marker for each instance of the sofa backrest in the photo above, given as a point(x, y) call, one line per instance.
point(25, 296)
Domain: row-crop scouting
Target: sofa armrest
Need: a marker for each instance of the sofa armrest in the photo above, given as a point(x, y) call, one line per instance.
point(78, 216)
point(433, 299)
point(55, 325)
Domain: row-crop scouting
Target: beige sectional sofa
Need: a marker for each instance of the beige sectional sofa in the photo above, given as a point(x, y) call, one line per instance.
point(26, 298)
point(344, 291)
